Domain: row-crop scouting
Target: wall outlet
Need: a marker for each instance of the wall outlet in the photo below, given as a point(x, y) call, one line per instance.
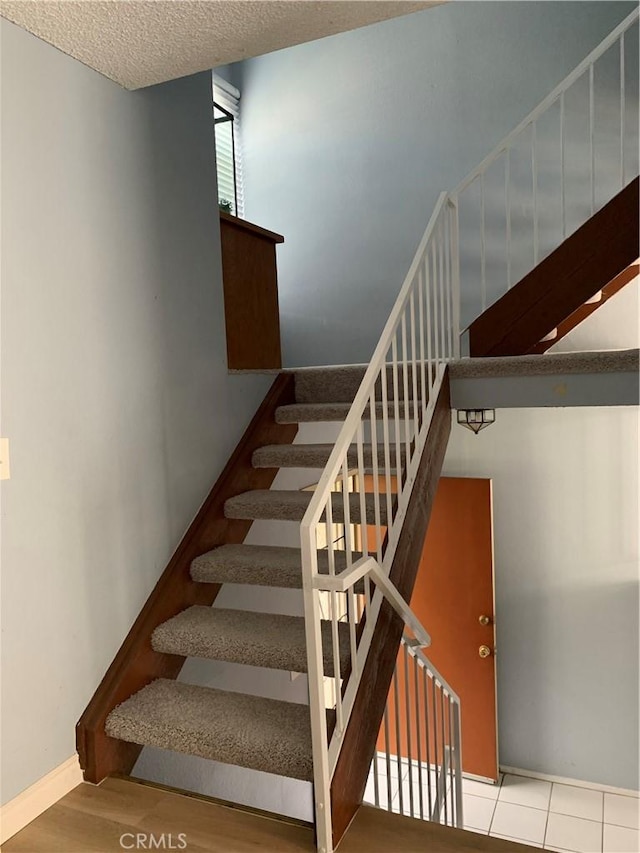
point(5, 471)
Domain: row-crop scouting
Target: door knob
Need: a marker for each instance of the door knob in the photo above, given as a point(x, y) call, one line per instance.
point(484, 620)
point(484, 651)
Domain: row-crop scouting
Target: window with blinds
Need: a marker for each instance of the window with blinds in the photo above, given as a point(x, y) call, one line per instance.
point(226, 117)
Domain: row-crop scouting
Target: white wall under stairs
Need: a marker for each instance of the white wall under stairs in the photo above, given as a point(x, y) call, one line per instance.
point(566, 566)
point(613, 326)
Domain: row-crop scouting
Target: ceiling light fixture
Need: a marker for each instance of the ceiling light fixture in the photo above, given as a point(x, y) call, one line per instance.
point(476, 419)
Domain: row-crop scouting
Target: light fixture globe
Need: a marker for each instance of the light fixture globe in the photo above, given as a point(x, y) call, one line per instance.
point(476, 419)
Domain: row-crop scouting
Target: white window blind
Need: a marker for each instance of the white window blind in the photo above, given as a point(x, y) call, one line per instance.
point(228, 143)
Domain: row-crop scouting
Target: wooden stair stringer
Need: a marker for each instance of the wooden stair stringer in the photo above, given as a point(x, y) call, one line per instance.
point(559, 286)
point(586, 310)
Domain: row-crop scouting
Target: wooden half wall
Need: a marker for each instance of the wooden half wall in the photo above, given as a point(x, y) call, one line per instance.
point(250, 281)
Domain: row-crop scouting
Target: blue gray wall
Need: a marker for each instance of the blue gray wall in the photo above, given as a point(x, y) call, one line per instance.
point(349, 140)
point(115, 392)
point(347, 143)
point(565, 497)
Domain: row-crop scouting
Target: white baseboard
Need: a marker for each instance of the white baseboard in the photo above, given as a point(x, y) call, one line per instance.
point(37, 798)
point(576, 783)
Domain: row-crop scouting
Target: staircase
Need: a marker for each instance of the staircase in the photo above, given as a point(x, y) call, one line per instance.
point(141, 703)
point(250, 731)
point(395, 418)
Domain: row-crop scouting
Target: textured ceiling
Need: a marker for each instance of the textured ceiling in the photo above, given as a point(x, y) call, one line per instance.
point(141, 42)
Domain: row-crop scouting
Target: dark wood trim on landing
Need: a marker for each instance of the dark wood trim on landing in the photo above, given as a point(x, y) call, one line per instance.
point(250, 227)
point(545, 298)
point(136, 664)
point(360, 737)
point(587, 309)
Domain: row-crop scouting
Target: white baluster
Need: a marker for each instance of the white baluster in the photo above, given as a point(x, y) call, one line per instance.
point(592, 147)
point(622, 109)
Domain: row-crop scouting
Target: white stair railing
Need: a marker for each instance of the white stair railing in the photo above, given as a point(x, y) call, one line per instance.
point(448, 279)
point(392, 411)
point(416, 770)
point(559, 166)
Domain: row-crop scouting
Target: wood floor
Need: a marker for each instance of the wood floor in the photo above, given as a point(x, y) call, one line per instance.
point(120, 814)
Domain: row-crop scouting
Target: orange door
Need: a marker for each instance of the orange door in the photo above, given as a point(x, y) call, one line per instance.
point(453, 591)
point(452, 594)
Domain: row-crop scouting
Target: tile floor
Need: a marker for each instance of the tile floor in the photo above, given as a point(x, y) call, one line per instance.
point(543, 814)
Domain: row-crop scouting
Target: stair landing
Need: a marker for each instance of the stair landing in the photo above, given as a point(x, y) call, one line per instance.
point(606, 378)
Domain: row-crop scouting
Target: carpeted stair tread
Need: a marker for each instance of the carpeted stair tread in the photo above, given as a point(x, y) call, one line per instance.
point(314, 456)
point(261, 565)
point(242, 636)
point(341, 384)
point(328, 384)
point(298, 413)
point(235, 728)
point(278, 505)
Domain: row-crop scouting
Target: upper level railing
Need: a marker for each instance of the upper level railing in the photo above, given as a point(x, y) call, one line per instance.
point(546, 178)
point(469, 255)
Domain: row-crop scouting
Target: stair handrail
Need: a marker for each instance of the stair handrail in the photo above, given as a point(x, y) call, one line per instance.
point(371, 568)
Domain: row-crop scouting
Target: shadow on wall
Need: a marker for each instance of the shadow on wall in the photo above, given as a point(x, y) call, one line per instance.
point(565, 663)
